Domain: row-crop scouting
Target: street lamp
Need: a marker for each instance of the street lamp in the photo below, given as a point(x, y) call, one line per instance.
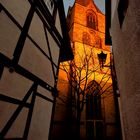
point(102, 59)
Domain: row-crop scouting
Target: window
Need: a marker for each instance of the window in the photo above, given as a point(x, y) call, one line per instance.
point(93, 101)
point(91, 21)
point(86, 38)
point(93, 111)
point(122, 9)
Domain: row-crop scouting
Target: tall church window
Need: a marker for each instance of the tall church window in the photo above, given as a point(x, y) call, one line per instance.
point(93, 111)
point(93, 101)
point(91, 21)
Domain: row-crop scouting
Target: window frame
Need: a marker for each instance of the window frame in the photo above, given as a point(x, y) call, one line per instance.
point(91, 19)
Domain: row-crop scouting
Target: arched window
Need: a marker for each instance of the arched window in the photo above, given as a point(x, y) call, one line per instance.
point(86, 38)
point(93, 101)
point(93, 111)
point(92, 21)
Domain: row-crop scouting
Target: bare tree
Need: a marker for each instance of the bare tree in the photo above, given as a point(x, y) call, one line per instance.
point(79, 73)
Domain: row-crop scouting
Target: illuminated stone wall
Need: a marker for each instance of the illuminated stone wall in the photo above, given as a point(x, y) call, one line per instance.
point(85, 38)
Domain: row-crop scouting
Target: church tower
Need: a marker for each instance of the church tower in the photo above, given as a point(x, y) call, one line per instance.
point(86, 24)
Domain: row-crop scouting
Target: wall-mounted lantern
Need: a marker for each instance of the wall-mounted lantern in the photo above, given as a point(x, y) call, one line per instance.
point(102, 59)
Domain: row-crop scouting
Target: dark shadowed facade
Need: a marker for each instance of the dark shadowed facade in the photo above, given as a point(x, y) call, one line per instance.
point(33, 42)
point(123, 30)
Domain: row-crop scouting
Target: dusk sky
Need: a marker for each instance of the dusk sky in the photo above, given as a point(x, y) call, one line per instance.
point(99, 3)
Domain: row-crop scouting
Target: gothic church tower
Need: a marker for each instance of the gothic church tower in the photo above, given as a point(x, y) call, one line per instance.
point(86, 24)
